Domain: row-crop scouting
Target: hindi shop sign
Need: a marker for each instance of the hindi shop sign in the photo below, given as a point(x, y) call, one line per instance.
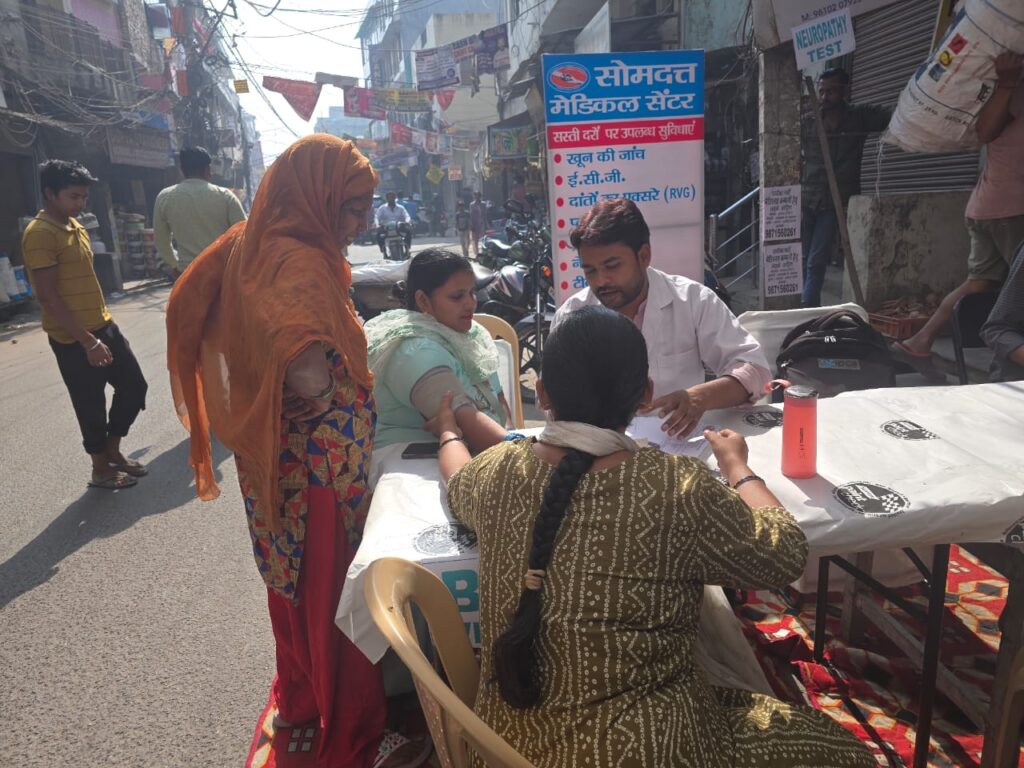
point(822, 39)
point(627, 125)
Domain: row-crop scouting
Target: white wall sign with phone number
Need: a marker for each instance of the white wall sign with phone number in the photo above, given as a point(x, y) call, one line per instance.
point(780, 213)
point(783, 269)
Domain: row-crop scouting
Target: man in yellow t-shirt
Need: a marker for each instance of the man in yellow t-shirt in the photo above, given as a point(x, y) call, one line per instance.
point(89, 347)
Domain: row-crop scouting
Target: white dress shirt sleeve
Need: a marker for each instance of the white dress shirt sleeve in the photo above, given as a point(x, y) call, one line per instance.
point(725, 346)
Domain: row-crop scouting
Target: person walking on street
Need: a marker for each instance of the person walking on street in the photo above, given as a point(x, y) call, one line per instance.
point(995, 211)
point(195, 212)
point(292, 397)
point(463, 225)
point(847, 126)
point(477, 222)
point(90, 350)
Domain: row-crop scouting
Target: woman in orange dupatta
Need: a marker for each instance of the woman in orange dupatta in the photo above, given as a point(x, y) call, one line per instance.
point(264, 346)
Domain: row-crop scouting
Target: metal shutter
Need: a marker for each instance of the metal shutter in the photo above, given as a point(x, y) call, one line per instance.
point(892, 42)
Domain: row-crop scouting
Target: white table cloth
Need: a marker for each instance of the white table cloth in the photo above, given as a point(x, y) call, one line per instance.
point(896, 468)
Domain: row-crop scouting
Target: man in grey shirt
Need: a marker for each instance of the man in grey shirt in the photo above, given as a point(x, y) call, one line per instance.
point(195, 212)
point(1004, 331)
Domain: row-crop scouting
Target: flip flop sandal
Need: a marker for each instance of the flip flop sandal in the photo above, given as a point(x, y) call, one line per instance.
point(114, 483)
point(397, 751)
point(132, 468)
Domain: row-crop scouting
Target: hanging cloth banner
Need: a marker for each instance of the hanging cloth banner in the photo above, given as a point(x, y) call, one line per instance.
point(301, 95)
point(465, 48)
point(435, 68)
point(431, 143)
point(400, 134)
point(492, 55)
point(359, 103)
point(445, 97)
point(401, 100)
point(419, 138)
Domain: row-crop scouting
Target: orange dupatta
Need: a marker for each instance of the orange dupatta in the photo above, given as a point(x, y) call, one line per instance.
point(258, 296)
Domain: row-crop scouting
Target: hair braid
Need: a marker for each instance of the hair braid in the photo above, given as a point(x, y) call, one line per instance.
point(515, 657)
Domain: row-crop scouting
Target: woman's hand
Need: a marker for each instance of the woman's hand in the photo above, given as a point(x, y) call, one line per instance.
point(309, 373)
point(296, 408)
point(730, 448)
point(445, 419)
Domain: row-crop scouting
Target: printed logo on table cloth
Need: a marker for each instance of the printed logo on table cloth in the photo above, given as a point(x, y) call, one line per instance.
point(1015, 533)
point(446, 539)
point(907, 430)
point(764, 419)
point(871, 499)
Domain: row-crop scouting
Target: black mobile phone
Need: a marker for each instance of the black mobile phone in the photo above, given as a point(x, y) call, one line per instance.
point(421, 451)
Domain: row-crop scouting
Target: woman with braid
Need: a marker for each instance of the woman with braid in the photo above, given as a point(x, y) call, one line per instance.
point(593, 557)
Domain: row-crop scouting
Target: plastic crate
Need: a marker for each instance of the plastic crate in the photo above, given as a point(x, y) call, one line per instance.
point(898, 328)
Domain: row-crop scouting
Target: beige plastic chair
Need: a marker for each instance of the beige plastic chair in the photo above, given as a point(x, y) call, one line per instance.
point(1008, 737)
point(391, 588)
point(499, 329)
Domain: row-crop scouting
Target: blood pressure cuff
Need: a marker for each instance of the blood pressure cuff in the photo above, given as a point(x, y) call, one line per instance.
point(431, 387)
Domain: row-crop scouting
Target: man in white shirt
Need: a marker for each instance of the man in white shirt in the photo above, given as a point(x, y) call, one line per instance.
point(688, 329)
point(392, 212)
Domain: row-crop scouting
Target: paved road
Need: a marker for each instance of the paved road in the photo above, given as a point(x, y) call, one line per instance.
point(133, 625)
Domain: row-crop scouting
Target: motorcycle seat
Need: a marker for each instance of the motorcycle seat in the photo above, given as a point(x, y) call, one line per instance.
point(497, 245)
point(482, 274)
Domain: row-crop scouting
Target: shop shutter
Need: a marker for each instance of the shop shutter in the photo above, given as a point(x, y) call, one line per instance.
point(892, 42)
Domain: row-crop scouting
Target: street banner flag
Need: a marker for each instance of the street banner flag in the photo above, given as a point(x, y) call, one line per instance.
point(435, 174)
point(359, 102)
point(492, 53)
point(435, 68)
point(401, 134)
point(241, 86)
point(445, 97)
point(300, 94)
point(338, 81)
point(401, 100)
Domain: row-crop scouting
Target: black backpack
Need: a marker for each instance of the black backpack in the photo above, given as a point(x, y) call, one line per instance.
point(834, 353)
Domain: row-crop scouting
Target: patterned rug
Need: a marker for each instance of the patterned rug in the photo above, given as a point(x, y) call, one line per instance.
point(288, 748)
point(874, 690)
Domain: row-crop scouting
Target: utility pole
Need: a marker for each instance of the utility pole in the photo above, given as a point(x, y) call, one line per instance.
point(246, 166)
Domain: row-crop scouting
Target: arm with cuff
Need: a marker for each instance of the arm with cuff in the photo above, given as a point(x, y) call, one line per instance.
point(479, 430)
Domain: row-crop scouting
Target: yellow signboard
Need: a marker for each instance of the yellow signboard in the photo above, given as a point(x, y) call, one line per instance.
point(435, 174)
point(241, 86)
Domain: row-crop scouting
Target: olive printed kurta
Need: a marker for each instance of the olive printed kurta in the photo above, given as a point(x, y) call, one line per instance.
point(621, 603)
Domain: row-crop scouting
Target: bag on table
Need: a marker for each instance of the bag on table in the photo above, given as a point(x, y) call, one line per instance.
point(834, 353)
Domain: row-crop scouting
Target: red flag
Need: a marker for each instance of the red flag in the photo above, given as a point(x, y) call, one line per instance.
point(302, 95)
point(445, 97)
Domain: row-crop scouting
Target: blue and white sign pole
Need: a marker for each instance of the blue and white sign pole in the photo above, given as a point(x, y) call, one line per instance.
point(627, 125)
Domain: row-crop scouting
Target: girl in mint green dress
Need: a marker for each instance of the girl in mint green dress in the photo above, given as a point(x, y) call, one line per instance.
point(432, 347)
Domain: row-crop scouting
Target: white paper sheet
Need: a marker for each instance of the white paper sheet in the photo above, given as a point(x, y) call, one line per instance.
point(648, 428)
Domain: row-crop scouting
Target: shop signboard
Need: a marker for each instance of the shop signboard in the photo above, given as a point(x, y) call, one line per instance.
point(507, 143)
point(627, 125)
point(141, 148)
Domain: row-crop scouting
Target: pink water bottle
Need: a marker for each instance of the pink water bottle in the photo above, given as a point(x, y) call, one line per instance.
point(800, 432)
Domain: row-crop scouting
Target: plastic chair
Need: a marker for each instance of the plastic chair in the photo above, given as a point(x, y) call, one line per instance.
point(969, 315)
point(1008, 736)
point(392, 587)
point(499, 329)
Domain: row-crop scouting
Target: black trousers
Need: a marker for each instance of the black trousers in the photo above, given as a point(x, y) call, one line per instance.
point(87, 386)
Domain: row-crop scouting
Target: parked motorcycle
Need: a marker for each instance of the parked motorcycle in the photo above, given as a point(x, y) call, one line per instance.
point(395, 247)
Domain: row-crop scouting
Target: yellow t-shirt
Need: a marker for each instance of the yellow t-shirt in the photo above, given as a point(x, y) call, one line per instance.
point(49, 244)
